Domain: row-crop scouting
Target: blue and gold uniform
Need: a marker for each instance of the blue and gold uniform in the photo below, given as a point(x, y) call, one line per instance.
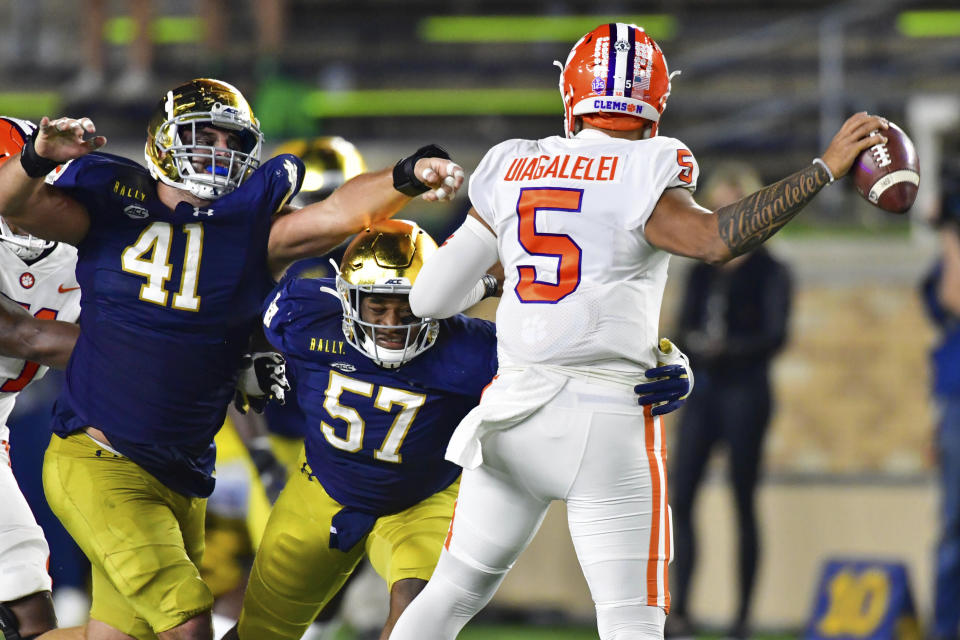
point(169, 301)
point(373, 479)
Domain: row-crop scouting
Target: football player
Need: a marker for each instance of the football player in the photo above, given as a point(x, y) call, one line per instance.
point(37, 286)
point(584, 226)
point(381, 391)
point(239, 506)
point(174, 262)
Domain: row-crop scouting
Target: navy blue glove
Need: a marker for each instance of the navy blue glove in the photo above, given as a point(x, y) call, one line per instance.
point(670, 383)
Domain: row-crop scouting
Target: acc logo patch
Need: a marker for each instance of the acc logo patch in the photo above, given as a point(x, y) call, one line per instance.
point(136, 212)
point(343, 366)
point(27, 280)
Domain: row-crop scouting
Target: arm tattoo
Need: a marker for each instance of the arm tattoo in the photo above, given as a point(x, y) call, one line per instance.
point(747, 223)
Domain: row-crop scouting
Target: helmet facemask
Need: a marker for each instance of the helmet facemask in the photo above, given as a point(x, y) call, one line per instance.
point(416, 337)
point(385, 259)
point(175, 151)
point(25, 246)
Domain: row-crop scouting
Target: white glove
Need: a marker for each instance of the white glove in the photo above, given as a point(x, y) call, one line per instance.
point(671, 381)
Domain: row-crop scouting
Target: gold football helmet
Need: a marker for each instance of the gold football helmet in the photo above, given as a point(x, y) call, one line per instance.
point(176, 156)
point(329, 161)
point(385, 259)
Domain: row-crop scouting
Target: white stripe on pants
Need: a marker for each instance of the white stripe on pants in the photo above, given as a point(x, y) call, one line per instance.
point(593, 447)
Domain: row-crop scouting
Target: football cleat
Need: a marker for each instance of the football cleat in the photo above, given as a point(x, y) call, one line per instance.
point(614, 76)
point(385, 259)
point(13, 134)
point(172, 153)
point(329, 161)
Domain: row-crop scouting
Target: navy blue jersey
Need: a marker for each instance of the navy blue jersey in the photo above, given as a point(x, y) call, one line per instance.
point(169, 299)
point(287, 419)
point(376, 437)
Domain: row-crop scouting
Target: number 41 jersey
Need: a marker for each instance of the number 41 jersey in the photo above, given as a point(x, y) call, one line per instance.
point(583, 286)
point(169, 300)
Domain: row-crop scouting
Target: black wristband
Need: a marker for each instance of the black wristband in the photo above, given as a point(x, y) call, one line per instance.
point(404, 179)
point(33, 164)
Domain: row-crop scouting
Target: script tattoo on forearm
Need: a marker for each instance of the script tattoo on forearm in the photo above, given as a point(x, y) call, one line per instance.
point(747, 223)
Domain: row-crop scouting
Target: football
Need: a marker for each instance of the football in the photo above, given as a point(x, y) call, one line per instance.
point(888, 174)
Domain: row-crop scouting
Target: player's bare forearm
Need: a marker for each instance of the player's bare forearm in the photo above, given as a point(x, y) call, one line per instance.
point(17, 190)
point(361, 201)
point(319, 227)
point(748, 223)
point(47, 342)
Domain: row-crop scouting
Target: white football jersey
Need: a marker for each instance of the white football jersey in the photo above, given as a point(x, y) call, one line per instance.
point(583, 286)
point(48, 289)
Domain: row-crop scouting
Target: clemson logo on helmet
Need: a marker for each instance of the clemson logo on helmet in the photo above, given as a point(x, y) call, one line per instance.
point(623, 61)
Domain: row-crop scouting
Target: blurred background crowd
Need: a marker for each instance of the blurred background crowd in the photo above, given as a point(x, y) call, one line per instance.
point(844, 463)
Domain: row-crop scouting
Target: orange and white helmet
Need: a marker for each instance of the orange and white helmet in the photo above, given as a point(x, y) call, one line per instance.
point(13, 135)
point(614, 75)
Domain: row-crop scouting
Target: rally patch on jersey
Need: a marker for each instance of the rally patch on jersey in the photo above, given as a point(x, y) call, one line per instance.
point(326, 345)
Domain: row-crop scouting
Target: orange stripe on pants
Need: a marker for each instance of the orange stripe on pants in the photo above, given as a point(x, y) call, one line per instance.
point(655, 568)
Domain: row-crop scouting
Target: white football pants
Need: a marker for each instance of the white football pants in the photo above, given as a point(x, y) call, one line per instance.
point(23, 549)
point(595, 448)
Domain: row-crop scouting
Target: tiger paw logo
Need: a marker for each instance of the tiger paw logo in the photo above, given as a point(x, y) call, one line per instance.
point(533, 330)
point(27, 280)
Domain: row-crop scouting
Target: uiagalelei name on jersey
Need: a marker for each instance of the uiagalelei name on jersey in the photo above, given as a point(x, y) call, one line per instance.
point(583, 287)
point(169, 301)
point(376, 437)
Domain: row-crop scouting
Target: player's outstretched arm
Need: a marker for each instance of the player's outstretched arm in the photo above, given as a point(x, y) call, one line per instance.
point(27, 201)
point(681, 226)
point(46, 342)
point(458, 276)
point(361, 201)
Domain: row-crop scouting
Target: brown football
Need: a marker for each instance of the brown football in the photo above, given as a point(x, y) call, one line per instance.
point(888, 174)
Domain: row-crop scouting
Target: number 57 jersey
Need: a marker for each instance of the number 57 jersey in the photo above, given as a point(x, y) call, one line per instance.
point(582, 284)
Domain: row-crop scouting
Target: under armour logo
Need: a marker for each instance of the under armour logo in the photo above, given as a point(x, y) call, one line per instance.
point(622, 46)
point(197, 212)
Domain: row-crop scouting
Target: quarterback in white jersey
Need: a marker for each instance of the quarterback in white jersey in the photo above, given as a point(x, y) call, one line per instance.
point(584, 226)
point(37, 281)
